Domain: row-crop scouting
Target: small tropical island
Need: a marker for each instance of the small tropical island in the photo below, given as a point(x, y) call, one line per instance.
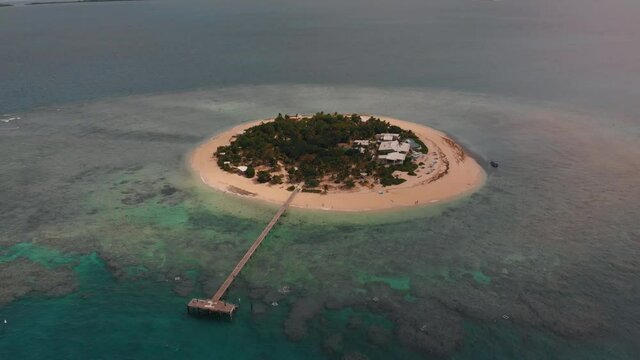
point(344, 162)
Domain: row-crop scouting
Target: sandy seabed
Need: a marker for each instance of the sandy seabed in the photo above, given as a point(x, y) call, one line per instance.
point(448, 173)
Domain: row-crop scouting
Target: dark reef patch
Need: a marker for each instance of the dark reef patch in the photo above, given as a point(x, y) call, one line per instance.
point(23, 277)
point(302, 310)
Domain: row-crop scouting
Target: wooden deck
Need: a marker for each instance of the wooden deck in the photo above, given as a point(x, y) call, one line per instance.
point(210, 307)
point(215, 305)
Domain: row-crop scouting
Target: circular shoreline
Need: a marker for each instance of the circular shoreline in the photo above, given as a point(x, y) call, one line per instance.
point(462, 176)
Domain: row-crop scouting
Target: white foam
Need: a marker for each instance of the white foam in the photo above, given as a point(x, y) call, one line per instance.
point(10, 119)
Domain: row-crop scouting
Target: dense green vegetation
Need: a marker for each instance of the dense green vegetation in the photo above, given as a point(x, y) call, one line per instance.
point(251, 172)
point(312, 149)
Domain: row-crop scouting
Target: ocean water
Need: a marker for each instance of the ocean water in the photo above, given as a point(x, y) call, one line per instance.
point(105, 234)
point(541, 262)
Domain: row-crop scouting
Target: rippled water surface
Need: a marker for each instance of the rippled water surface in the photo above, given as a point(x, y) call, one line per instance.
point(105, 234)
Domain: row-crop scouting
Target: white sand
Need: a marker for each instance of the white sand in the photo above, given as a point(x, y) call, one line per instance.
point(431, 185)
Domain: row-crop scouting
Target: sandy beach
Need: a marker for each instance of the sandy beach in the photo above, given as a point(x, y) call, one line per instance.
point(448, 173)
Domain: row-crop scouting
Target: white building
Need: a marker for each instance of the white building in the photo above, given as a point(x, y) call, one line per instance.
point(387, 146)
point(393, 146)
point(387, 137)
point(404, 148)
point(358, 143)
point(393, 158)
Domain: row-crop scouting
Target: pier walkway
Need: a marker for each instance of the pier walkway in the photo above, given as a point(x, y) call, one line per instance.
point(217, 306)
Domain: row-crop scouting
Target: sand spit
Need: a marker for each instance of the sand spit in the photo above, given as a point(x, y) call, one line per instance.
point(448, 173)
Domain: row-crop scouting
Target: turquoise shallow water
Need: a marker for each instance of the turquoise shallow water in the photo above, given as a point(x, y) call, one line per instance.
point(101, 320)
point(106, 236)
point(110, 319)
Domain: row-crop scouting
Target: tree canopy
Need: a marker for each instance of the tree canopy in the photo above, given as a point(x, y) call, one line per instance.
point(309, 148)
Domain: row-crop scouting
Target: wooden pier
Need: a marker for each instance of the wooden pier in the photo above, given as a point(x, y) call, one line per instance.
point(215, 306)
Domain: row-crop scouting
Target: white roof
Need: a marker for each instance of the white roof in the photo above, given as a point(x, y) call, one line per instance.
point(396, 156)
point(388, 145)
point(242, 168)
point(404, 147)
point(361, 142)
point(387, 136)
point(394, 146)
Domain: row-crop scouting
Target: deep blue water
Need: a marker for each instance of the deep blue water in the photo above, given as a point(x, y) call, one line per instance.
point(578, 51)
